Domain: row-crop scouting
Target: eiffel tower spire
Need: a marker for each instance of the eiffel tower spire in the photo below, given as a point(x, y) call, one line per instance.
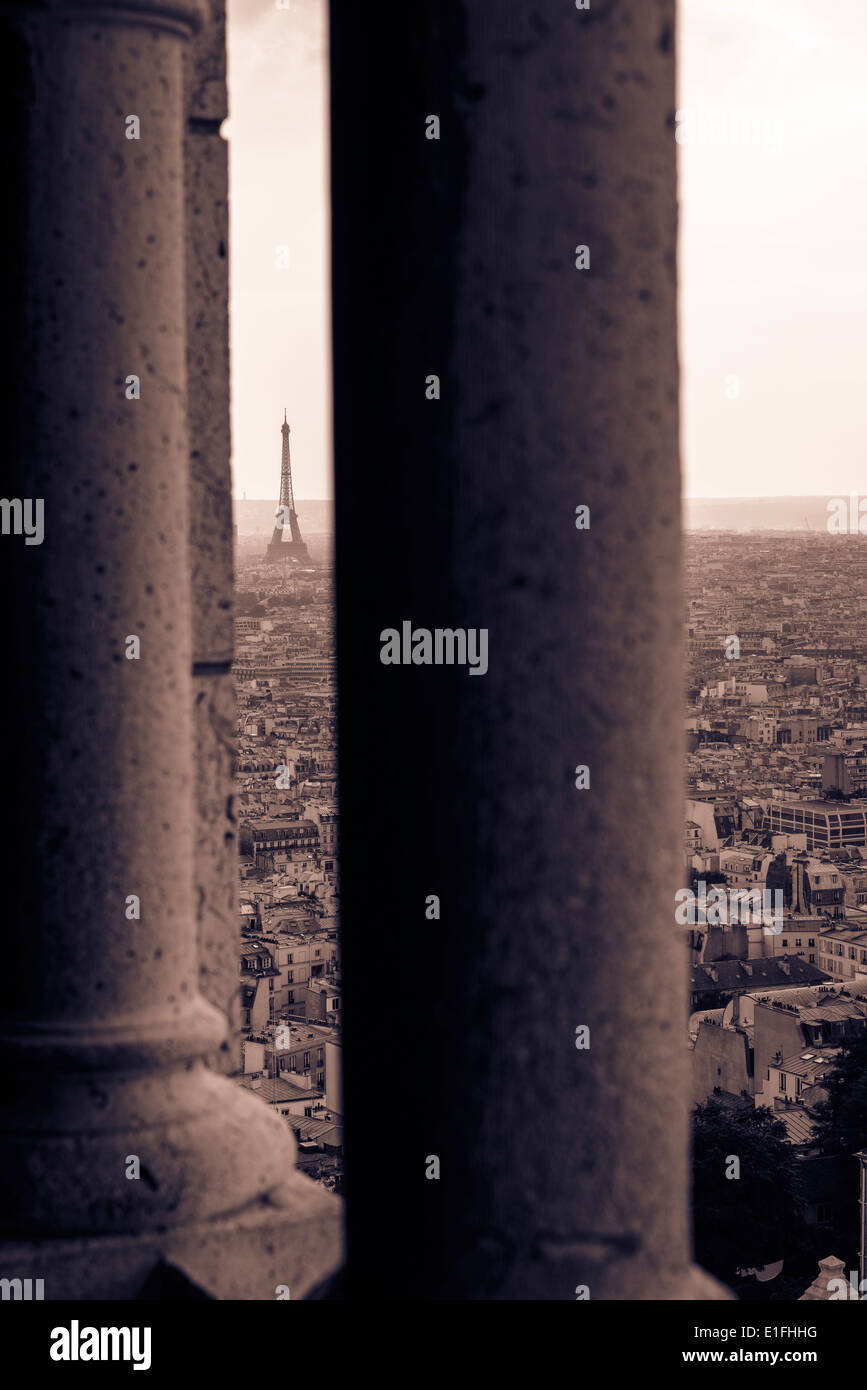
point(287, 517)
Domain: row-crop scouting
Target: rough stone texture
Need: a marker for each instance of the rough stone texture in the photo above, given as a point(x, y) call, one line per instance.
point(104, 1030)
point(559, 1167)
point(208, 395)
point(207, 240)
point(202, 1147)
point(291, 1237)
point(217, 859)
point(104, 278)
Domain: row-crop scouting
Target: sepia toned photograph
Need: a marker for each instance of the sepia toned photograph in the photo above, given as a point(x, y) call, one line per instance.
point(434, 558)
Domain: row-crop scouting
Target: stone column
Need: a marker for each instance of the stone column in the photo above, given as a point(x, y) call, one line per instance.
point(211, 528)
point(558, 1169)
point(105, 1032)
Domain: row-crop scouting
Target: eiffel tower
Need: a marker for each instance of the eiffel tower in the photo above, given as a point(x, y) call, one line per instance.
point(293, 549)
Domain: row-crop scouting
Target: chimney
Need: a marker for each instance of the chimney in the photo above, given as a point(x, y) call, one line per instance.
point(799, 863)
point(755, 942)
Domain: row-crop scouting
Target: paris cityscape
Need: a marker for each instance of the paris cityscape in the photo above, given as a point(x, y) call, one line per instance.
point(775, 808)
point(776, 776)
point(286, 791)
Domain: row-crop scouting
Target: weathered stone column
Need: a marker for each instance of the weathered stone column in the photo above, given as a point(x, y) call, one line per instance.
point(456, 241)
point(105, 1031)
point(211, 529)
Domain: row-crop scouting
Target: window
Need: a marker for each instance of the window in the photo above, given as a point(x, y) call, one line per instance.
point(782, 1081)
point(306, 1060)
point(291, 996)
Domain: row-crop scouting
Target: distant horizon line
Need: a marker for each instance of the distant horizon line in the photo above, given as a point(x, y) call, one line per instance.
point(753, 497)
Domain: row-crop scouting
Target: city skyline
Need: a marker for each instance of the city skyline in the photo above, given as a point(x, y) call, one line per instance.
point(278, 182)
point(765, 168)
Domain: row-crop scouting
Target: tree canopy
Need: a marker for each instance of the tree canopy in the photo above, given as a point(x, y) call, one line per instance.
point(842, 1119)
point(756, 1218)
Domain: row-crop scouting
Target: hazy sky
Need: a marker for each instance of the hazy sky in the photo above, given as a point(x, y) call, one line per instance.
point(773, 173)
point(278, 197)
point(773, 247)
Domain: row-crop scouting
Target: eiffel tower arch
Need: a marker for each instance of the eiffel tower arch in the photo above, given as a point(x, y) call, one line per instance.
point(294, 549)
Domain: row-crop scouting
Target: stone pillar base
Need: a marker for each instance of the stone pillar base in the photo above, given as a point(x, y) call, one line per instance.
point(293, 1237)
point(594, 1270)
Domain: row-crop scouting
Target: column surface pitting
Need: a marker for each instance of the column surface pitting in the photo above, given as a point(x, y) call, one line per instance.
point(558, 387)
point(105, 1031)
